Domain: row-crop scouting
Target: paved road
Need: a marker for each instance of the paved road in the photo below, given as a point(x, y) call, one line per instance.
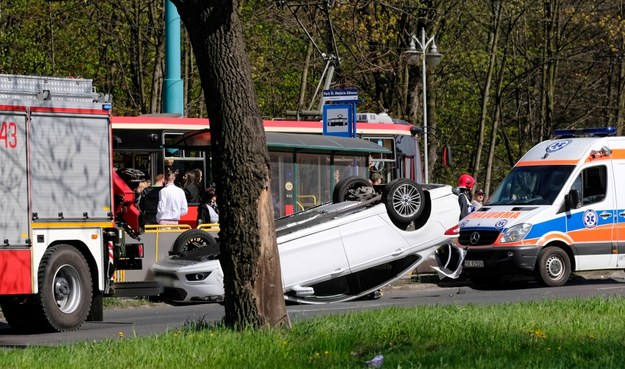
point(162, 318)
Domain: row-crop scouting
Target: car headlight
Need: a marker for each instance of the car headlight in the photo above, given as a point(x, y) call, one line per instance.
point(516, 233)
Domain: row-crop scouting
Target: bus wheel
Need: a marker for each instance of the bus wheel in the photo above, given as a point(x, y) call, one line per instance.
point(352, 189)
point(554, 267)
point(65, 289)
point(192, 239)
point(403, 199)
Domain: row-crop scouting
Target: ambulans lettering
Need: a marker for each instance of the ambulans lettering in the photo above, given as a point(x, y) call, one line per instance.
point(495, 214)
point(8, 134)
point(559, 145)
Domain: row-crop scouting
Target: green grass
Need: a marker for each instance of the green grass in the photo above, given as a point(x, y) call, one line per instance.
point(581, 333)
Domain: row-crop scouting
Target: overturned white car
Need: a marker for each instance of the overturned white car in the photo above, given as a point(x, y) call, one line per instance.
point(366, 238)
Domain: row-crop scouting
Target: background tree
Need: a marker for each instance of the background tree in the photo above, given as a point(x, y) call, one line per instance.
point(555, 64)
point(249, 251)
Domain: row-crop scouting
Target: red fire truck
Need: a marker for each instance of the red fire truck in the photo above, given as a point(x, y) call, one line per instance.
point(67, 220)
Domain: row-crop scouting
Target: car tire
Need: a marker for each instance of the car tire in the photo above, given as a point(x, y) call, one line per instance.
point(404, 200)
point(352, 189)
point(192, 239)
point(554, 267)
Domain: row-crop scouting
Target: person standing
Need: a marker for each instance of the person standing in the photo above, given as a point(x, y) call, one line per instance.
point(478, 199)
point(172, 202)
point(191, 189)
point(149, 201)
point(207, 212)
point(199, 180)
point(465, 184)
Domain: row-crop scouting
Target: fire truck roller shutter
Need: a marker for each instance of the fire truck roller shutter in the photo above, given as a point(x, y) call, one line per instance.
point(14, 214)
point(71, 168)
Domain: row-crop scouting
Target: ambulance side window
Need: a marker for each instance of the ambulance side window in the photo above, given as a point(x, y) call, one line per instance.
point(591, 184)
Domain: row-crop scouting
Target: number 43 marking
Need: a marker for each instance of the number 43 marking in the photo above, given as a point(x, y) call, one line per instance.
point(8, 134)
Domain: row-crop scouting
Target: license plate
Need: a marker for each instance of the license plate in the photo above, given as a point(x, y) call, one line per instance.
point(474, 263)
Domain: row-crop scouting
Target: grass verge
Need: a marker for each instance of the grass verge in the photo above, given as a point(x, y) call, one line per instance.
point(580, 333)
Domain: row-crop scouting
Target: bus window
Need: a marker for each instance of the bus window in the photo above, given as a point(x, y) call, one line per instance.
point(282, 186)
point(349, 166)
point(383, 164)
point(313, 180)
point(143, 161)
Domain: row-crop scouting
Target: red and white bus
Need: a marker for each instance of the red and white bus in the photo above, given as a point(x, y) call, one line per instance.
point(305, 164)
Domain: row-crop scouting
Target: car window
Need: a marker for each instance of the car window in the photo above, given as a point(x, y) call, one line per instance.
point(591, 184)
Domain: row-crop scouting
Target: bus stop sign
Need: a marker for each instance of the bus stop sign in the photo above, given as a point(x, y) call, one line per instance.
point(338, 120)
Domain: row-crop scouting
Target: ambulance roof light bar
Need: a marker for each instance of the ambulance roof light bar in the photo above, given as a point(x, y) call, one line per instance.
point(584, 132)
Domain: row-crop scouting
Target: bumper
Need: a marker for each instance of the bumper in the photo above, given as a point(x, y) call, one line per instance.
point(198, 282)
point(507, 260)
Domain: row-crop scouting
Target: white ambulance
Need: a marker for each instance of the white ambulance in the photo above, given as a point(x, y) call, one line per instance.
point(561, 209)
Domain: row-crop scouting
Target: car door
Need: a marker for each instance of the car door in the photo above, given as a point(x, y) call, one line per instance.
point(372, 240)
point(312, 256)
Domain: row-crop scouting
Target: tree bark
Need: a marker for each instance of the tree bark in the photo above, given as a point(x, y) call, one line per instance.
point(249, 251)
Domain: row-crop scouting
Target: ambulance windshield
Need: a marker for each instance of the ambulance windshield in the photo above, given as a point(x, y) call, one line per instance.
point(531, 185)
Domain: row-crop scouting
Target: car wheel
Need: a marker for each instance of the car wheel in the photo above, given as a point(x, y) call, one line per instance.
point(192, 239)
point(554, 267)
point(352, 189)
point(404, 200)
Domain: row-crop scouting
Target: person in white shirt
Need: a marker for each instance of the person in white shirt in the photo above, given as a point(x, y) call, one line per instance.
point(172, 202)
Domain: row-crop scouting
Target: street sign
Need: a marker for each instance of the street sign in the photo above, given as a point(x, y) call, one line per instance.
point(346, 94)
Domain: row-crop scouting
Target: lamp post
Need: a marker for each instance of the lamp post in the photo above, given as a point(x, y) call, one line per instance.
point(432, 57)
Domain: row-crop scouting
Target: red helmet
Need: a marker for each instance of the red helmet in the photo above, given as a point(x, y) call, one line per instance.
point(466, 181)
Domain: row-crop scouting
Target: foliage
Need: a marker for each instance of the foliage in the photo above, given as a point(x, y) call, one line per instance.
point(557, 64)
point(577, 333)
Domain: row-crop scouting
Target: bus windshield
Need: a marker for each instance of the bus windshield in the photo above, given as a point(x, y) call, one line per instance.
point(531, 185)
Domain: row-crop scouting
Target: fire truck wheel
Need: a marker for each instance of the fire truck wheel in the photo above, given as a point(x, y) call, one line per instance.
point(554, 267)
point(352, 189)
point(192, 239)
point(65, 289)
point(404, 200)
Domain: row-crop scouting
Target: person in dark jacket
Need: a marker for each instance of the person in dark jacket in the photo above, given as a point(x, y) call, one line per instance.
point(149, 202)
point(465, 184)
point(191, 189)
point(207, 212)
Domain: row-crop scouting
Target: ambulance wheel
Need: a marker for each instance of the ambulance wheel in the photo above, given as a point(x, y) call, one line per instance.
point(352, 189)
point(404, 200)
point(192, 239)
point(65, 289)
point(554, 267)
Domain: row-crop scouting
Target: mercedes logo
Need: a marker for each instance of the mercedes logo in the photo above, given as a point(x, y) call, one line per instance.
point(474, 238)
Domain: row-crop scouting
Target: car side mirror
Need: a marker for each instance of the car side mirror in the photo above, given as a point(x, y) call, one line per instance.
point(571, 200)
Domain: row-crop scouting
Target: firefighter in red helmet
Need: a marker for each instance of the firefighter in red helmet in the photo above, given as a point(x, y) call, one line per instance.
point(465, 184)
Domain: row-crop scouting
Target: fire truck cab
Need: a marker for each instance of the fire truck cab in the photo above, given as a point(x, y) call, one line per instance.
point(65, 215)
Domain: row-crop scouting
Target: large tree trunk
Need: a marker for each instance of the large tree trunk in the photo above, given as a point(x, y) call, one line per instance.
point(249, 251)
